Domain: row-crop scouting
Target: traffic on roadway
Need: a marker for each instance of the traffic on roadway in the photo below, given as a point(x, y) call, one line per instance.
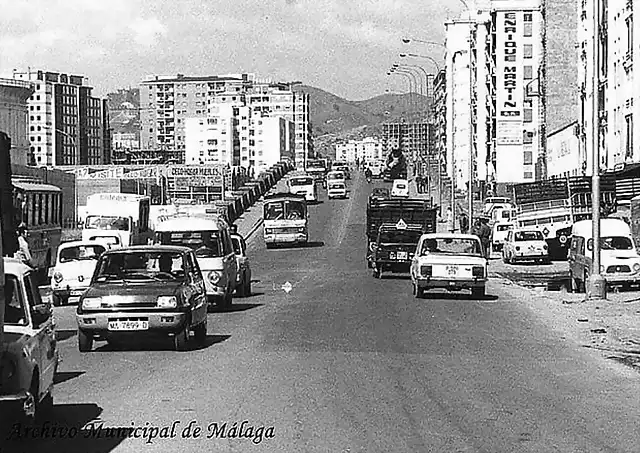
point(344, 324)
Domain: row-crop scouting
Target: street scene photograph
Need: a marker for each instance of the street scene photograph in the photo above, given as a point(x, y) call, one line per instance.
point(319, 226)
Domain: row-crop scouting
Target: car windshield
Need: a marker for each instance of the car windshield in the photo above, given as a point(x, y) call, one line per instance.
point(504, 227)
point(529, 236)
point(206, 244)
point(451, 246)
point(81, 252)
point(335, 175)
point(140, 266)
point(95, 222)
point(400, 186)
point(301, 182)
point(285, 210)
point(616, 243)
point(399, 237)
point(336, 186)
point(14, 310)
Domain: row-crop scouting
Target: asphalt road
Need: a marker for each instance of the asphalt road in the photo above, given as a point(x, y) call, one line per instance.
point(348, 363)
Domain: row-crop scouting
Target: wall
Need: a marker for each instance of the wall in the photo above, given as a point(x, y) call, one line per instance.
point(563, 152)
point(14, 117)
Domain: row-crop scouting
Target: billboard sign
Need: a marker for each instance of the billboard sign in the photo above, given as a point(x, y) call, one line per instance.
point(112, 173)
point(509, 78)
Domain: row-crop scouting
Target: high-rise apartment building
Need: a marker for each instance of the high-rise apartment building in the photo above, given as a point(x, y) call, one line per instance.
point(166, 103)
point(440, 116)
point(414, 139)
point(66, 123)
point(619, 89)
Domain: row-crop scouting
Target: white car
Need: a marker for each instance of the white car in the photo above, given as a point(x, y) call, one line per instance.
point(525, 245)
point(243, 285)
point(449, 261)
point(336, 189)
point(74, 268)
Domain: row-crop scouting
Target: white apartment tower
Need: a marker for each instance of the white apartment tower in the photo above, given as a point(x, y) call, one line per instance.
point(619, 91)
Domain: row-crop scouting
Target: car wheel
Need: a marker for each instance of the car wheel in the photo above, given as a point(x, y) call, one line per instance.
point(85, 341)
point(420, 292)
point(228, 298)
point(200, 332)
point(241, 288)
point(269, 245)
point(180, 339)
point(247, 290)
point(56, 299)
point(478, 293)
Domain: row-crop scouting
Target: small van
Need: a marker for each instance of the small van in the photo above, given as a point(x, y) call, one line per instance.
point(400, 188)
point(619, 259)
point(208, 235)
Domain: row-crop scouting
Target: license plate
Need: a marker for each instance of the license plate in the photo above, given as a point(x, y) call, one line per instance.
point(128, 325)
point(402, 255)
point(452, 270)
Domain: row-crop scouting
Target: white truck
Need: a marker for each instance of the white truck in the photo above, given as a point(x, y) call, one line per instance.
point(117, 219)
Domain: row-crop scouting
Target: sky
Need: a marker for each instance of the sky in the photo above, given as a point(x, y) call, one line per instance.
point(342, 46)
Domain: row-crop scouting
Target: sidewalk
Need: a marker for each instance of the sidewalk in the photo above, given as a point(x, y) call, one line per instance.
point(250, 220)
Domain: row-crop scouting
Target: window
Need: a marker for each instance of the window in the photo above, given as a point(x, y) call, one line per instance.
point(629, 23)
point(629, 137)
point(528, 72)
point(528, 158)
point(528, 138)
point(528, 115)
point(528, 51)
point(528, 175)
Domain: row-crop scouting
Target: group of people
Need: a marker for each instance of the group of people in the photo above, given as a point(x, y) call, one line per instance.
point(480, 228)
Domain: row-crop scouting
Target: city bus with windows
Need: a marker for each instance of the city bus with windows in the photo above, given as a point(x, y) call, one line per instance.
point(303, 184)
point(285, 219)
point(39, 208)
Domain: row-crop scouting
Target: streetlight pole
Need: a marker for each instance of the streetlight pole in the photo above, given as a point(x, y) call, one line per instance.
point(471, 153)
point(412, 79)
point(596, 285)
point(392, 72)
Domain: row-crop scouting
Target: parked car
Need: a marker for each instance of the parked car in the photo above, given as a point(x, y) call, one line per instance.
point(449, 261)
point(144, 291)
point(379, 193)
point(73, 270)
point(30, 360)
point(619, 259)
point(500, 232)
point(243, 285)
point(336, 189)
point(525, 245)
point(400, 188)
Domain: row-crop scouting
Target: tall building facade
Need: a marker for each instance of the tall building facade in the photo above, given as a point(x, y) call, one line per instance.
point(14, 113)
point(495, 103)
point(414, 139)
point(368, 150)
point(236, 136)
point(619, 91)
point(66, 123)
point(440, 116)
point(166, 103)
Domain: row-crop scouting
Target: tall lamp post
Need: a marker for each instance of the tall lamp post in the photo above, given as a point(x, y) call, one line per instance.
point(408, 78)
point(412, 80)
point(596, 285)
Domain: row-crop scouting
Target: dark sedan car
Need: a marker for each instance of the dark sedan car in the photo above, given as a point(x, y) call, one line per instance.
point(141, 291)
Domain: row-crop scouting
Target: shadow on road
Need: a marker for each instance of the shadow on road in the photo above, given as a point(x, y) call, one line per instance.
point(208, 342)
point(313, 244)
point(236, 307)
point(62, 335)
point(463, 295)
point(63, 376)
point(395, 277)
point(71, 428)
point(159, 344)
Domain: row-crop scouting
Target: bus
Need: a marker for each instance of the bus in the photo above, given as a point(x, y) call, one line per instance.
point(285, 219)
point(303, 184)
point(39, 208)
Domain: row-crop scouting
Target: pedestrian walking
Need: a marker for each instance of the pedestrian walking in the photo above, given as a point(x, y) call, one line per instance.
point(450, 224)
point(464, 223)
point(419, 183)
point(484, 233)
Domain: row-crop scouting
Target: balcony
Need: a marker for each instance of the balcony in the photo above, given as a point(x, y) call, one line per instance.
point(627, 61)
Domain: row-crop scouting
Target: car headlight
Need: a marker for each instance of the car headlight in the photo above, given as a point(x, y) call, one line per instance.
point(636, 267)
point(167, 302)
point(57, 277)
point(215, 276)
point(91, 302)
point(268, 231)
point(300, 230)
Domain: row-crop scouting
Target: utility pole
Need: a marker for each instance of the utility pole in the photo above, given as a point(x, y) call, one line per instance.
point(596, 285)
point(471, 153)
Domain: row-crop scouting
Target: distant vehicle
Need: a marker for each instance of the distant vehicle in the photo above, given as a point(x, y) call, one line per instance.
point(144, 291)
point(377, 168)
point(336, 189)
point(336, 176)
point(73, 270)
point(209, 237)
point(620, 262)
point(500, 233)
point(491, 203)
point(30, 355)
point(303, 185)
point(525, 244)
point(343, 167)
point(379, 193)
point(243, 284)
point(317, 168)
point(285, 219)
point(117, 219)
point(449, 261)
point(400, 188)
point(39, 208)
